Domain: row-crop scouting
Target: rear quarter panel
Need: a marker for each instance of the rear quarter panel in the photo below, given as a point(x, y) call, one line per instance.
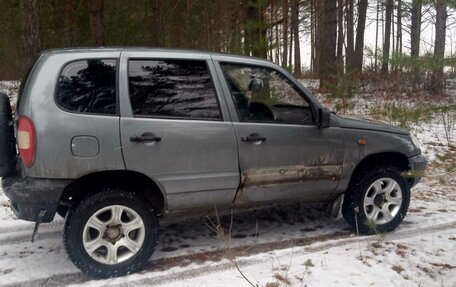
point(56, 128)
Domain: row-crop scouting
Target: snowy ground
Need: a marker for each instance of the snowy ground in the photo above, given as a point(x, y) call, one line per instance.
point(280, 245)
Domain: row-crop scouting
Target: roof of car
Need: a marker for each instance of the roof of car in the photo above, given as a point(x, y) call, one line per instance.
point(145, 49)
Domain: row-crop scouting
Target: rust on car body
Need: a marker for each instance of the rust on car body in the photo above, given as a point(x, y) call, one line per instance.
point(290, 174)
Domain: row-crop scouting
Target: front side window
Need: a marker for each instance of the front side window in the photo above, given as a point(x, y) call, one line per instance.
point(88, 86)
point(263, 94)
point(172, 88)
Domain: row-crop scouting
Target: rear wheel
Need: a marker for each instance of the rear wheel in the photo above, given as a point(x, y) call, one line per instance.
point(111, 233)
point(377, 200)
point(7, 140)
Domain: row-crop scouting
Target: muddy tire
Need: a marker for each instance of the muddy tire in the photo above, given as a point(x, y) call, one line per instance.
point(377, 200)
point(7, 139)
point(111, 233)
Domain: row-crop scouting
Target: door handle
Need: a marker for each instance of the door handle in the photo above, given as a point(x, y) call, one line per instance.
point(145, 137)
point(253, 138)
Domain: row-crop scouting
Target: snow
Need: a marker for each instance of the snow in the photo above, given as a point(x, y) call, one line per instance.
point(415, 261)
point(276, 243)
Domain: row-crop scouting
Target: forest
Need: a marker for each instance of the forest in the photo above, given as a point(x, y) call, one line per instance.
point(333, 30)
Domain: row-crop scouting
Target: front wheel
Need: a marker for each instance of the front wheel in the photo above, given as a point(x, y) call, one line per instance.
point(377, 200)
point(111, 233)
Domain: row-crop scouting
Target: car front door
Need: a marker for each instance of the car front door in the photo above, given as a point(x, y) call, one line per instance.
point(175, 128)
point(282, 153)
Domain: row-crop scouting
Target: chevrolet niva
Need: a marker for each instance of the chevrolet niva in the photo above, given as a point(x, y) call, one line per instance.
point(113, 138)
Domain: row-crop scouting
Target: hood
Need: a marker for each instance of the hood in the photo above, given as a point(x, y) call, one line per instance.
point(363, 124)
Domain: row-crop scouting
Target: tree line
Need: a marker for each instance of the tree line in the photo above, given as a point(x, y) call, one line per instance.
point(271, 29)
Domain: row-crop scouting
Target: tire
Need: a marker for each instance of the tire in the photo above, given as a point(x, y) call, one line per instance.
point(7, 139)
point(81, 236)
point(378, 198)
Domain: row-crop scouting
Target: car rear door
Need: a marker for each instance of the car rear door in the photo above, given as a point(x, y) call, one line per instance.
point(282, 153)
point(175, 127)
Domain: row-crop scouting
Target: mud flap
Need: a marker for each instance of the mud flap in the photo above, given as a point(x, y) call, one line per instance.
point(334, 208)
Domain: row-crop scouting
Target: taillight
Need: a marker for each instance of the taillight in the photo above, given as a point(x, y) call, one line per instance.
point(26, 140)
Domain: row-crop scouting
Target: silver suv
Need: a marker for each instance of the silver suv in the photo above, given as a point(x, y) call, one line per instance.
point(112, 139)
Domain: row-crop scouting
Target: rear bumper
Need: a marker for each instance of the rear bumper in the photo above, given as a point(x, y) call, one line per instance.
point(418, 164)
point(31, 195)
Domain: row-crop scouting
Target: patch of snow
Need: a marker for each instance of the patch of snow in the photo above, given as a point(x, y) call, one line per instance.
point(422, 260)
point(311, 84)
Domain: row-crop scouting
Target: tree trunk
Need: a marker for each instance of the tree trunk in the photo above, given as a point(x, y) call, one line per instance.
point(340, 34)
point(387, 39)
point(439, 44)
point(31, 37)
point(263, 41)
point(415, 34)
point(359, 46)
point(236, 22)
point(97, 26)
point(312, 36)
point(415, 30)
point(393, 38)
point(156, 31)
point(274, 18)
point(398, 35)
point(328, 31)
point(285, 34)
point(290, 51)
point(350, 36)
point(248, 34)
point(376, 37)
point(295, 29)
point(68, 26)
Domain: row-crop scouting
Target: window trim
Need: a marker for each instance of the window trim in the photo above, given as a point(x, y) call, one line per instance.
point(292, 84)
point(117, 96)
point(205, 61)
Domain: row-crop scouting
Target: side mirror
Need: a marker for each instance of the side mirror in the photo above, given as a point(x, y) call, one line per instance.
point(256, 85)
point(323, 118)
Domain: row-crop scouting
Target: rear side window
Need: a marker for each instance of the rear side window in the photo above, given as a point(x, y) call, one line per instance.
point(172, 88)
point(88, 86)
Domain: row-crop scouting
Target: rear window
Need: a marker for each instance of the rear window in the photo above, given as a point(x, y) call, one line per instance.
point(88, 86)
point(172, 88)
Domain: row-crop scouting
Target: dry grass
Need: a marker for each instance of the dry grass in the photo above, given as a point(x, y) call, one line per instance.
point(282, 278)
point(376, 244)
point(401, 250)
point(444, 265)
point(398, 269)
point(414, 210)
point(427, 271)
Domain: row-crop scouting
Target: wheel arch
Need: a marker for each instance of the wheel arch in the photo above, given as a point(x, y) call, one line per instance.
point(395, 159)
point(129, 180)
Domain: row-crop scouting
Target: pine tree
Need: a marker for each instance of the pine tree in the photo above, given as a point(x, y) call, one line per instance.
point(359, 46)
point(31, 37)
point(97, 26)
